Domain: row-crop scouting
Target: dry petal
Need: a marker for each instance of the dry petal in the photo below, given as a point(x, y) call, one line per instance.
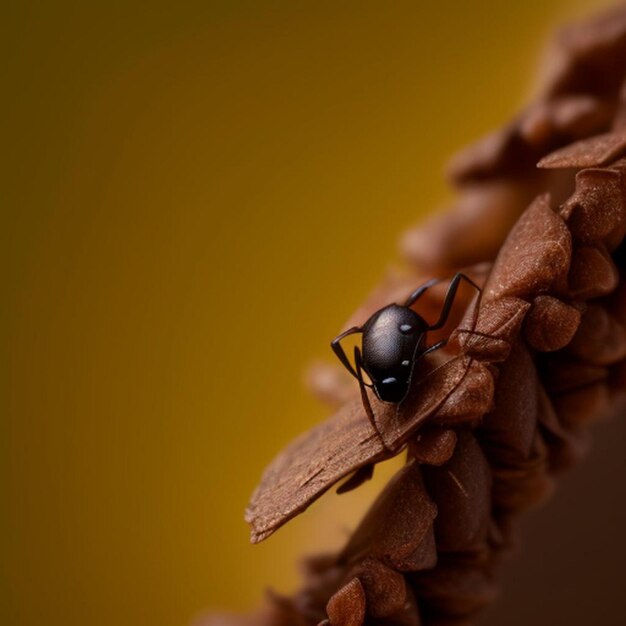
point(550, 324)
point(470, 399)
point(592, 273)
point(534, 256)
point(508, 431)
point(462, 492)
point(588, 56)
point(385, 589)
point(347, 606)
point(591, 152)
point(571, 116)
point(499, 151)
point(433, 445)
point(497, 326)
point(579, 115)
point(472, 231)
point(597, 208)
point(397, 525)
point(309, 466)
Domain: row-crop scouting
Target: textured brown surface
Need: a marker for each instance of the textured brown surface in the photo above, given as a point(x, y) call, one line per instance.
point(346, 442)
point(347, 606)
point(491, 424)
point(599, 150)
point(551, 323)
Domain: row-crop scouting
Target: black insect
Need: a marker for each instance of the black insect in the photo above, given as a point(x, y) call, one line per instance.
point(393, 340)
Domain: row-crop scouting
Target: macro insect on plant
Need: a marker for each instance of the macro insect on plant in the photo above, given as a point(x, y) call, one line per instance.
point(489, 422)
point(372, 428)
point(393, 340)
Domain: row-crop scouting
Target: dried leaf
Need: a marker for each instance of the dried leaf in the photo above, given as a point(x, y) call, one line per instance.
point(497, 325)
point(470, 399)
point(310, 465)
point(433, 445)
point(597, 209)
point(398, 524)
point(318, 459)
point(592, 273)
point(591, 152)
point(347, 606)
point(571, 117)
point(535, 255)
point(550, 324)
point(462, 492)
point(385, 589)
point(507, 432)
point(471, 231)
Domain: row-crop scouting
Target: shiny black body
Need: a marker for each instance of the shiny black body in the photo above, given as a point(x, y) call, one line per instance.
point(393, 339)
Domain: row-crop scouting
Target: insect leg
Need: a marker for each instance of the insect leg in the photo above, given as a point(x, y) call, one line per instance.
point(419, 292)
point(365, 398)
point(335, 344)
point(449, 300)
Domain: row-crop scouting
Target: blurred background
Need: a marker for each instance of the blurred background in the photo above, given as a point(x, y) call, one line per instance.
point(195, 196)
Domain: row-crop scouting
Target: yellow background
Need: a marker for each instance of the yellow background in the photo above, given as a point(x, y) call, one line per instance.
point(195, 196)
